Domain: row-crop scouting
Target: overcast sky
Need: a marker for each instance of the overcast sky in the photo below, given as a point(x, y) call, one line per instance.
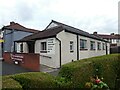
point(88, 15)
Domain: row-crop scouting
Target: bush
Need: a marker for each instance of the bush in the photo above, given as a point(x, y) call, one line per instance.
point(36, 80)
point(104, 66)
point(63, 83)
point(71, 75)
point(9, 83)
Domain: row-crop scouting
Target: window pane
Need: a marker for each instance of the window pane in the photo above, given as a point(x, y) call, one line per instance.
point(83, 44)
point(21, 47)
point(99, 46)
point(43, 46)
point(92, 43)
point(71, 46)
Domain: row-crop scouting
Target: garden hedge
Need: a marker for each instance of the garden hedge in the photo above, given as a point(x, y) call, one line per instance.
point(79, 72)
point(9, 83)
point(34, 80)
point(71, 75)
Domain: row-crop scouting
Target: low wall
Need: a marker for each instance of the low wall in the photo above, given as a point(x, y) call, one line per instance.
point(26, 60)
point(7, 57)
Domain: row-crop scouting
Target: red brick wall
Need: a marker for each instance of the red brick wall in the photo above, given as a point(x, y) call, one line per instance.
point(7, 57)
point(29, 60)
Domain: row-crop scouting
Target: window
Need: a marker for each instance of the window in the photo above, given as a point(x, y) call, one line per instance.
point(71, 46)
point(92, 45)
point(83, 44)
point(21, 47)
point(99, 46)
point(103, 46)
point(43, 47)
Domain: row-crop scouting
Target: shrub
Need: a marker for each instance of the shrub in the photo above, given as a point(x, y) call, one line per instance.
point(63, 83)
point(80, 71)
point(9, 83)
point(35, 80)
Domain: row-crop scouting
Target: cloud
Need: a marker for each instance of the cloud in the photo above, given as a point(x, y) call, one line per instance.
point(89, 15)
point(24, 11)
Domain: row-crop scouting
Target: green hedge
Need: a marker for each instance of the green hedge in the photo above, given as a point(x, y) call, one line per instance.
point(71, 75)
point(35, 80)
point(79, 72)
point(9, 83)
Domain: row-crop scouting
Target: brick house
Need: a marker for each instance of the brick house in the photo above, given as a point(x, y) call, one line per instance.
point(114, 39)
point(13, 32)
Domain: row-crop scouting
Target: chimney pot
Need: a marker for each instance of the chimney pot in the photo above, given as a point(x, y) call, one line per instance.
point(112, 34)
point(95, 33)
point(12, 23)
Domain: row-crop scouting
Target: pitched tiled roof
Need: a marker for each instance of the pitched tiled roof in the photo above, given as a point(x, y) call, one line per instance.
point(18, 27)
point(52, 32)
point(116, 36)
point(77, 31)
point(55, 30)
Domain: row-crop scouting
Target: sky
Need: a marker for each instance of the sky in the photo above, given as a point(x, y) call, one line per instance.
point(87, 15)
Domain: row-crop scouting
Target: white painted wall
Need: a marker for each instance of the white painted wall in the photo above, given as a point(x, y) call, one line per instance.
point(66, 55)
point(91, 53)
point(54, 61)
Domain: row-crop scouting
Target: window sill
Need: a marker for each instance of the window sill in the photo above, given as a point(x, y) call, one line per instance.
point(84, 49)
point(71, 51)
point(92, 49)
point(43, 51)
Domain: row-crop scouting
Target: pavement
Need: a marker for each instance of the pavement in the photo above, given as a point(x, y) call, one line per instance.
point(9, 69)
point(46, 69)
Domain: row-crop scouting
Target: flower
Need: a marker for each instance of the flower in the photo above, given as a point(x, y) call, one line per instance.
point(88, 85)
point(97, 81)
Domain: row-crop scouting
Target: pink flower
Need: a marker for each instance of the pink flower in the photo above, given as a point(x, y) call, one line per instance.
point(97, 81)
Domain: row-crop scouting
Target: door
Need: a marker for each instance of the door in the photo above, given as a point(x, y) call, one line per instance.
point(31, 47)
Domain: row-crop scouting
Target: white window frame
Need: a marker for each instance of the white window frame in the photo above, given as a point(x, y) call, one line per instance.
point(83, 44)
point(99, 45)
point(103, 44)
point(71, 46)
point(43, 48)
point(92, 45)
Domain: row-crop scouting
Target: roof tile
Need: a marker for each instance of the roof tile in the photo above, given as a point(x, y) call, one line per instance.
point(19, 27)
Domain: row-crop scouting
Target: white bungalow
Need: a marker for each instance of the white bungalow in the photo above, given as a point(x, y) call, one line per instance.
point(59, 44)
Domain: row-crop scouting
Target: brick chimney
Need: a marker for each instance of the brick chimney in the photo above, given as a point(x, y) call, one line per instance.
point(95, 33)
point(112, 34)
point(12, 23)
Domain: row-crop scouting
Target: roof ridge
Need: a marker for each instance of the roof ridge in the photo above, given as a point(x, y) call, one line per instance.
point(18, 26)
point(69, 26)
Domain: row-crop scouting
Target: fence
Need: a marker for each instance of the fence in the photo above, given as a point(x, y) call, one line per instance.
point(26, 60)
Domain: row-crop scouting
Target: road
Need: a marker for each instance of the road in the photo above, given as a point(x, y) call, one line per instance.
point(9, 69)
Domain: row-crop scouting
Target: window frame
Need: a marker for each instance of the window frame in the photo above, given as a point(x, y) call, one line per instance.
point(103, 45)
point(99, 45)
point(21, 47)
point(92, 47)
point(71, 46)
point(83, 44)
point(43, 47)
